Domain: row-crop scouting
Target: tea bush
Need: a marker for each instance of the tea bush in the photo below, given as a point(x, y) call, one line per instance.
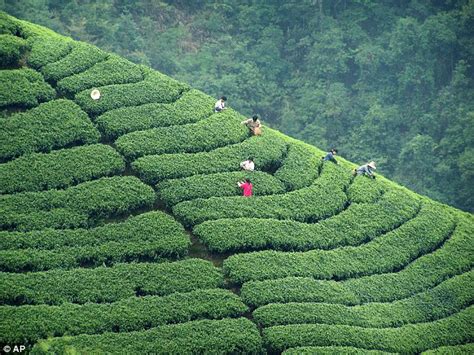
point(227, 336)
point(322, 199)
point(81, 57)
point(12, 49)
point(96, 199)
point(216, 131)
point(422, 274)
point(155, 88)
point(387, 253)
point(149, 236)
point(411, 338)
point(173, 191)
point(31, 323)
point(192, 106)
point(51, 125)
point(24, 88)
point(114, 70)
point(47, 50)
point(356, 225)
point(60, 168)
point(267, 150)
point(108, 284)
point(445, 299)
point(300, 167)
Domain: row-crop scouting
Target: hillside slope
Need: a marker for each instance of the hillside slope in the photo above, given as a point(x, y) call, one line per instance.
point(123, 229)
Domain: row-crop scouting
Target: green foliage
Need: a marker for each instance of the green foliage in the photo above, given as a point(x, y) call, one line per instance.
point(190, 107)
point(422, 274)
point(237, 336)
point(173, 191)
point(114, 70)
point(300, 167)
point(384, 254)
point(216, 131)
point(108, 284)
point(332, 350)
point(12, 49)
point(51, 125)
point(60, 168)
point(452, 350)
point(96, 199)
point(81, 57)
point(149, 236)
point(47, 51)
point(367, 78)
point(365, 190)
point(267, 150)
point(155, 88)
point(323, 198)
point(412, 338)
point(359, 223)
point(32, 323)
point(23, 87)
point(445, 299)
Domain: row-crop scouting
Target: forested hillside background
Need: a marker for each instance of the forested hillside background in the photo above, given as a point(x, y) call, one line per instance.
point(390, 81)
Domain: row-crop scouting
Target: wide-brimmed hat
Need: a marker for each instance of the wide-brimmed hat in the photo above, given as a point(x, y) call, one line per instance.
point(95, 94)
point(372, 165)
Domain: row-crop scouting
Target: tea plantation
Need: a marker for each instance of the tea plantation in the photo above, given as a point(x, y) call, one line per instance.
point(124, 231)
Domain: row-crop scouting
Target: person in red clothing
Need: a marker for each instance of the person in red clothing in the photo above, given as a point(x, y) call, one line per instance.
point(246, 186)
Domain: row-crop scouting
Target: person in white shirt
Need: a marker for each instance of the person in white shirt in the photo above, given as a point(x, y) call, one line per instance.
point(248, 165)
point(220, 104)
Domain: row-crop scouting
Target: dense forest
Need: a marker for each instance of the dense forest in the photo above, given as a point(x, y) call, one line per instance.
point(390, 81)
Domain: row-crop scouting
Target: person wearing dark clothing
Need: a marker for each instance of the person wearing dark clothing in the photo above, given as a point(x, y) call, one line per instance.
point(330, 156)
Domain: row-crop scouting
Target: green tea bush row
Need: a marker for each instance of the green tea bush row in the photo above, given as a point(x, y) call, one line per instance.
point(60, 168)
point(8, 24)
point(333, 350)
point(322, 199)
point(81, 57)
point(54, 218)
point(451, 350)
point(174, 191)
point(365, 190)
point(114, 70)
point(300, 167)
point(156, 88)
point(149, 237)
point(408, 339)
point(23, 87)
point(227, 336)
point(387, 253)
point(445, 299)
point(266, 150)
point(356, 225)
point(45, 50)
point(149, 226)
point(191, 107)
point(51, 125)
point(31, 323)
point(108, 284)
point(420, 275)
point(216, 131)
point(12, 48)
point(96, 199)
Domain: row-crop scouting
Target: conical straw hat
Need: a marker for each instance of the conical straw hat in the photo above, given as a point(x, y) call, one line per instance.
point(372, 165)
point(95, 94)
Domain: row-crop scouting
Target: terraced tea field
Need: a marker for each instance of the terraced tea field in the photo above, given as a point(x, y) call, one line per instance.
point(123, 229)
